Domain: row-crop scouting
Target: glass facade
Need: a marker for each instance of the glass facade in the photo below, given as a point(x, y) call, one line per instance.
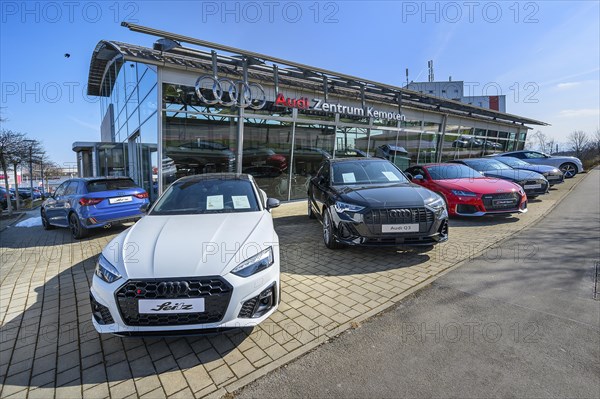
point(130, 89)
point(281, 147)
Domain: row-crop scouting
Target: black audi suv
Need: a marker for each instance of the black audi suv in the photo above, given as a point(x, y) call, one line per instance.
point(370, 202)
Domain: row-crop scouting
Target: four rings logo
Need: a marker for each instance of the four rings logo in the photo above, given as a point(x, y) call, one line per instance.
point(229, 93)
point(172, 288)
point(400, 213)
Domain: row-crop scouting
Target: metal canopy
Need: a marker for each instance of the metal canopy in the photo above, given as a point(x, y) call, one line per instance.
point(291, 73)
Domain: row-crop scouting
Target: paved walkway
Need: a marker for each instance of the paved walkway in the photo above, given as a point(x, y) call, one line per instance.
point(49, 348)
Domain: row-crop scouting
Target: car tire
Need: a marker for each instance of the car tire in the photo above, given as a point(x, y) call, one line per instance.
point(77, 229)
point(45, 223)
point(311, 213)
point(569, 169)
point(328, 236)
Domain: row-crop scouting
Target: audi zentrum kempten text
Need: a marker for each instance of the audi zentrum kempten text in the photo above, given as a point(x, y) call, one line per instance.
point(533, 183)
point(371, 202)
point(570, 166)
point(468, 192)
point(204, 257)
point(89, 203)
point(552, 174)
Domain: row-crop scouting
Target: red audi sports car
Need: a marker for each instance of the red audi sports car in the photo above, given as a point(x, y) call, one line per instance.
point(467, 192)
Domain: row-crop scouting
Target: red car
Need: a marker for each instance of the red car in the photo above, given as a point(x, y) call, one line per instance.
point(467, 192)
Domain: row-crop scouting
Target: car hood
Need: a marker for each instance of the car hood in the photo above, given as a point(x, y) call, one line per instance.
point(190, 245)
point(539, 168)
point(513, 174)
point(405, 194)
point(480, 185)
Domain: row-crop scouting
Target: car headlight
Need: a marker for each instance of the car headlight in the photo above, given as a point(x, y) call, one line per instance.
point(344, 207)
point(438, 206)
point(462, 193)
point(255, 264)
point(106, 271)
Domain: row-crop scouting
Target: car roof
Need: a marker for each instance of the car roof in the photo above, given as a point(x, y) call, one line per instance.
point(436, 164)
point(356, 159)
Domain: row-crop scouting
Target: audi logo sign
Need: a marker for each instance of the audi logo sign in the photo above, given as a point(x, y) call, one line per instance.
point(400, 213)
point(229, 93)
point(172, 288)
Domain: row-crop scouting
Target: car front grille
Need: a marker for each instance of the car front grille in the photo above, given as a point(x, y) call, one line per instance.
point(215, 291)
point(501, 201)
point(375, 218)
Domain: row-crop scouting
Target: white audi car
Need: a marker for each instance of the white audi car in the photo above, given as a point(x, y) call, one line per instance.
point(204, 257)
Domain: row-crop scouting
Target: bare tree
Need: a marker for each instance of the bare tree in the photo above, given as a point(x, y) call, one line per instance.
point(9, 143)
point(541, 142)
point(578, 140)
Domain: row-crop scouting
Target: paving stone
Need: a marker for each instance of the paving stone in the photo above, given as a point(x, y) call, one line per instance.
point(221, 374)
point(172, 381)
point(99, 391)
point(197, 378)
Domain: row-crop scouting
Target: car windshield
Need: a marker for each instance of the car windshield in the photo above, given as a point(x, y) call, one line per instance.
point(95, 186)
point(218, 195)
point(366, 172)
point(513, 162)
point(454, 171)
point(484, 165)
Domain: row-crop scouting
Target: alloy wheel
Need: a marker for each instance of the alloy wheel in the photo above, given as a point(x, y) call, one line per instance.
point(568, 170)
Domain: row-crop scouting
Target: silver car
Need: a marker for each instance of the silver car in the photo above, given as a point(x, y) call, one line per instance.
point(570, 166)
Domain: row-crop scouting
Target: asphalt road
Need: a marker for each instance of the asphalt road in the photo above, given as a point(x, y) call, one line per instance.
point(519, 321)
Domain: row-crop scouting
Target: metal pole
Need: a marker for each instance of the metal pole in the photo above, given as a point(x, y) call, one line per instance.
point(31, 173)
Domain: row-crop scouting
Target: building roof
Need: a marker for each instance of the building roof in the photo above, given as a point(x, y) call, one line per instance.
point(262, 67)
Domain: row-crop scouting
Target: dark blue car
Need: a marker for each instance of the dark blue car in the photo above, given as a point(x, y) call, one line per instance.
point(87, 203)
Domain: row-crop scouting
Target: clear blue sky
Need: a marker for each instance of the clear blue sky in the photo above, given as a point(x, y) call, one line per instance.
point(545, 56)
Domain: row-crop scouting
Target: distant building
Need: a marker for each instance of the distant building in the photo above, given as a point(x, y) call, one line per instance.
point(454, 90)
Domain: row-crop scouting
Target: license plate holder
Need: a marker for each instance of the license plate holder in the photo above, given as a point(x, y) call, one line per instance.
point(503, 202)
point(170, 306)
point(532, 186)
point(120, 200)
point(400, 228)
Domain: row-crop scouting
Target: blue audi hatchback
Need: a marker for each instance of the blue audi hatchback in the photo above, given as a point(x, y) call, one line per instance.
point(87, 203)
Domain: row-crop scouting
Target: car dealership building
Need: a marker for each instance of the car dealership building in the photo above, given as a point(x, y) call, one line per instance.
point(172, 110)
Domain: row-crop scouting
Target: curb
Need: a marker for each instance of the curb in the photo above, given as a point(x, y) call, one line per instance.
point(232, 388)
point(17, 220)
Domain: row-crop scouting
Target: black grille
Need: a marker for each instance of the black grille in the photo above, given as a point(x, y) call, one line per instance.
point(215, 291)
point(466, 209)
point(398, 216)
point(100, 312)
point(501, 201)
point(375, 218)
point(248, 308)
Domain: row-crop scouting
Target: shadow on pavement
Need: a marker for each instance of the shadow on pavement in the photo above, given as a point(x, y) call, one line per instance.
point(53, 342)
point(303, 252)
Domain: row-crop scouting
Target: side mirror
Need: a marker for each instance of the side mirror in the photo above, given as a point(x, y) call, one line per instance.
point(408, 175)
point(144, 208)
point(419, 177)
point(272, 203)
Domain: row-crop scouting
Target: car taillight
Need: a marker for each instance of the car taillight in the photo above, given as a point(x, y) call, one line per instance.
point(90, 201)
point(141, 195)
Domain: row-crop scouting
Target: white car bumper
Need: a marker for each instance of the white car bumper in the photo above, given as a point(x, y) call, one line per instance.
point(243, 290)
